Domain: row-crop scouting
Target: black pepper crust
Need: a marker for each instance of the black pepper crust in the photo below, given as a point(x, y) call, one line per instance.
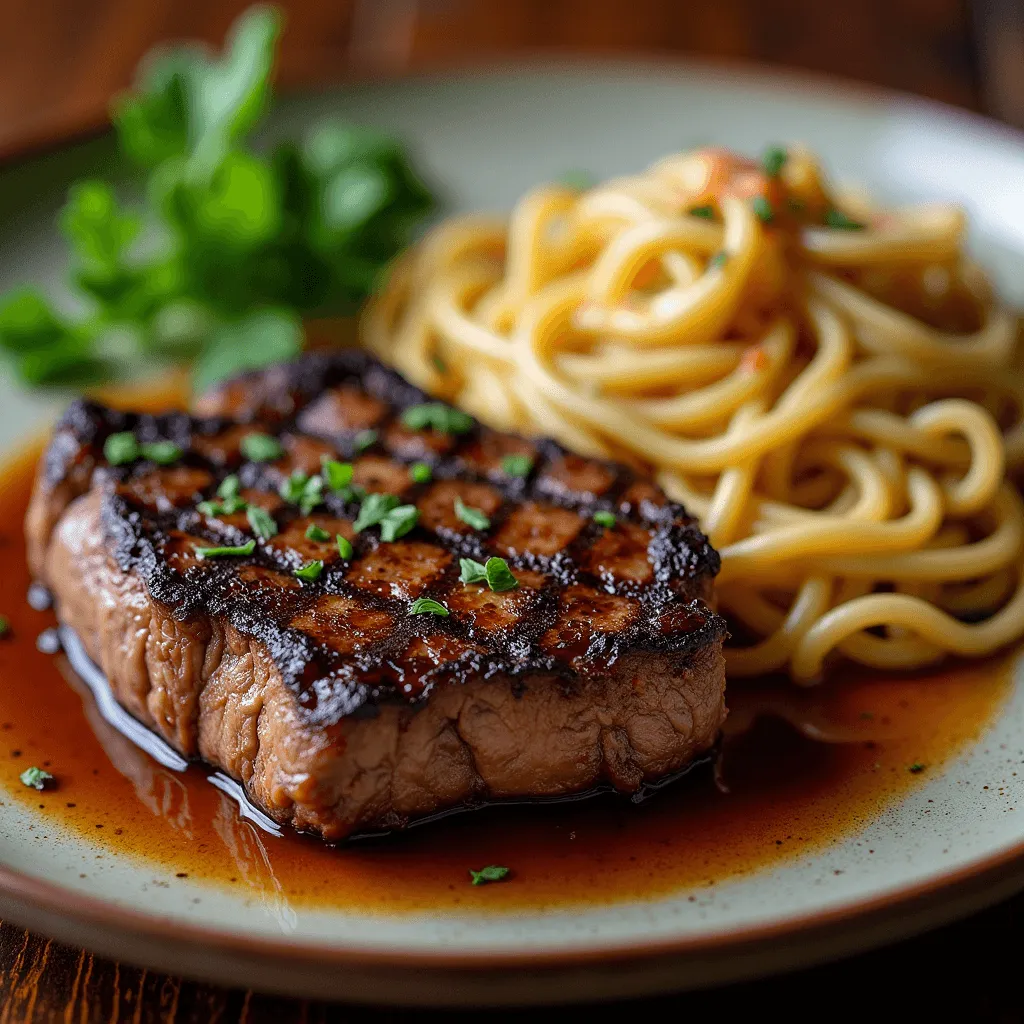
point(581, 617)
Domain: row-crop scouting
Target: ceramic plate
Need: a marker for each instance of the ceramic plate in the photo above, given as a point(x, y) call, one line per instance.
point(952, 842)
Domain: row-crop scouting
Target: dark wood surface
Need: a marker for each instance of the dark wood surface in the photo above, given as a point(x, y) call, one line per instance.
point(61, 60)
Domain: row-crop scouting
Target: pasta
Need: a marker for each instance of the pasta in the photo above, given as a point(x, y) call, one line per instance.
point(831, 387)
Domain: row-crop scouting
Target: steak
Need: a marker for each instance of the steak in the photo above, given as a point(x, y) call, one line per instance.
point(340, 703)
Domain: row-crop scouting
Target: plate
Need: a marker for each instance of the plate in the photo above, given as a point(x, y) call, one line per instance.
point(951, 844)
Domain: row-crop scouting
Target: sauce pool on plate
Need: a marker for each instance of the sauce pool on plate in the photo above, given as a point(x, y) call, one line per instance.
point(798, 769)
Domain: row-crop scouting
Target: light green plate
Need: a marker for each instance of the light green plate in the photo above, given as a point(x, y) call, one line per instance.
point(484, 138)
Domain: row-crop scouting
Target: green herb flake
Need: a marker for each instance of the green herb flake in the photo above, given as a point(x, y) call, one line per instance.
point(499, 575)
point(163, 453)
point(35, 778)
point(867, 715)
point(310, 571)
point(491, 873)
point(704, 212)
point(120, 449)
point(318, 533)
point(420, 473)
point(337, 475)
point(439, 364)
point(774, 160)
point(398, 522)
point(344, 546)
point(261, 448)
point(229, 487)
point(605, 519)
point(427, 606)
point(312, 495)
point(841, 222)
point(437, 416)
point(364, 439)
point(516, 465)
point(719, 259)
point(471, 516)
point(292, 487)
point(373, 509)
point(763, 210)
point(5, 626)
point(916, 768)
point(262, 522)
point(222, 552)
point(472, 571)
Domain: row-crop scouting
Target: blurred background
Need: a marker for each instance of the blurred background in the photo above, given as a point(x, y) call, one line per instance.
point(63, 59)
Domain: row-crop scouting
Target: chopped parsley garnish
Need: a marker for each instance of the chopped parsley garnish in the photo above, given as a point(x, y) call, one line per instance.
point(314, 532)
point(719, 259)
point(916, 767)
point(516, 465)
point(305, 491)
point(310, 572)
point(762, 209)
point(840, 221)
point(373, 509)
point(427, 606)
point(437, 416)
point(495, 573)
point(364, 439)
point(261, 448)
point(605, 518)
point(5, 626)
point(229, 487)
point(439, 364)
point(491, 873)
point(35, 778)
point(397, 522)
point(471, 516)
point(163, 453)
point(121, 448)
point(706, 212)
point(337, 475)
point(420, 472)
point(344, 546)
point(230, 502)
point(774, 160)
point(262, 522)
point(221, 552)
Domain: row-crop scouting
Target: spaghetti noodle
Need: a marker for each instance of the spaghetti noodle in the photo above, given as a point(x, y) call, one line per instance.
point(830, 387)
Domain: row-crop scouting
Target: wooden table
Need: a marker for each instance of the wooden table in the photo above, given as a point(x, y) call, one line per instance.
point(60, 60)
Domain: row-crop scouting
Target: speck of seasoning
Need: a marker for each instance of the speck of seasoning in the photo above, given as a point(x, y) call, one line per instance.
point(181, 874)
point(5, 626)
point(719, 260)
point(36, 778)
point(420, 472)
point(774, 160)
point(704, 212)
point(762, 208)
point(491, 873)
point(605, 518)
point(916, 768)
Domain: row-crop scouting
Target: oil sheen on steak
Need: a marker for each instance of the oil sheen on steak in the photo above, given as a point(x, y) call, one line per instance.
point(338, 709)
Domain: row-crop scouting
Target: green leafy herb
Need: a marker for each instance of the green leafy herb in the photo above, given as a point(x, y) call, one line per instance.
point(35, 778)
point(262, 522)
point(427, 606)
point(261, 448)
point(471, 516)
point(605, 518)
point(163, 453)
point(119, 449)
point(420, 473)
point(373, 509)
point(516, 465)
point(302, 490)
point(499, 575)
point(437, 416)
point(916, 767)
point(5, 626)
point(774, 160)
point(310, 571)
point(364, 439)
point(344, 546)
point(706, 212)
point(491, 873)
point(245, 241)
point(580, 181)
point(719, 259)
point(839, 220)
point(337, 475)
point(398, 522)
point(229, 487)
point(472, 571)
point(314, 532)
point(762, 208)
point(222, 552)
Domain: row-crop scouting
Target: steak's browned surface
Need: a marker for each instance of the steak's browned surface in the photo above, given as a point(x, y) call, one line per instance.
point(338, 708)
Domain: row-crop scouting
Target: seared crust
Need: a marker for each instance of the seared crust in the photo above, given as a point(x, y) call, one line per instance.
point(341, 665)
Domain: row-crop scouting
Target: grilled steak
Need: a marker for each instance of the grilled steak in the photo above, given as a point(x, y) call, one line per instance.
point(340, 707)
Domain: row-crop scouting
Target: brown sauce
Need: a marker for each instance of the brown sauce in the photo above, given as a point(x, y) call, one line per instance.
point(812, 767)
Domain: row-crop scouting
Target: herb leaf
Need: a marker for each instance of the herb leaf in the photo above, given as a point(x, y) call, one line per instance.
point(344, 546)
point(310, 571)
point(763, 210)
point(605, 518)
point(337, 475)
point(427, 606)
point(35, 778)
point(163, 453)
point(705, 212)
point(774, 160)
point(220, 552)
point(499, 575)
point(840, 221)
point(262, 522)
point(437, 416)
point(472, 571)
point(364, 439)
point(121, 448)
point(719, 259)
point(229, 487)
point(373, 509)
point(397, 522)
point(314, 532)
point(5, 626)
point(491, 873)
point(261, 448)
point(420, 473)
point(517, 465)
point(471, 516)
